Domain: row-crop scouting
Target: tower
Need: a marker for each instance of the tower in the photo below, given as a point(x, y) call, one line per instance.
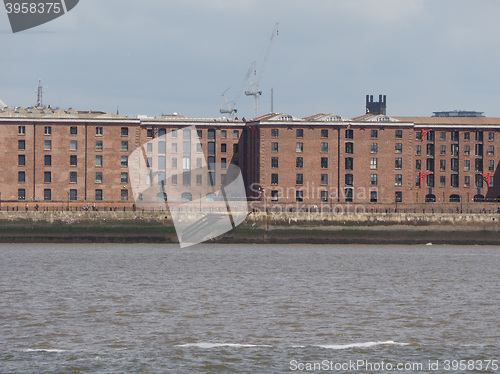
point(376, 107)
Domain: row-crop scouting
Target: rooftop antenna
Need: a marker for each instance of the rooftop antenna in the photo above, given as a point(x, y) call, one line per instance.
point(39, 100)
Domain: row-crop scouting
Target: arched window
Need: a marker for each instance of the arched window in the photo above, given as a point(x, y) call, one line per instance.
point(478, 198)
point(210, 197)
point(430, 198)
point(454, 198)
point(186, 196)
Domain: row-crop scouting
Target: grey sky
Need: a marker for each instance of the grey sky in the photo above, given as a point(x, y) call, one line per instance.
point(160, 56)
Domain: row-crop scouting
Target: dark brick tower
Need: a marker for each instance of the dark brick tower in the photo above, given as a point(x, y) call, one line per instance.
point(376, 107)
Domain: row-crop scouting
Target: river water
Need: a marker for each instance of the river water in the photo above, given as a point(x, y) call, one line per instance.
point(249, 309)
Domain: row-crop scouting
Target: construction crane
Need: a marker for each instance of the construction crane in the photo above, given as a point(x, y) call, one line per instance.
point(231, 105)
point(254, 91)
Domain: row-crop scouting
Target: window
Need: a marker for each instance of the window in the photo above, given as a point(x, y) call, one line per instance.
point(418, 164)
point(299, 179)
point(223, 163)
point(418, 135)
point(47, 194)
point(454, 149)
point(274, 147)
point(199, 148)
point(98, 177)
point(398, 164)
point(454, 180)
point(223, 134)
point(21, 160)
point(274, 178)
point(479, 165)
point(21, 177)
point(398, 179)
point(73, 145)
point(430, 149)
point(223, 148)
point(124, 146)
point(186, 163)
point(299, 133)
point(399, 147)
point(349, 134)
point(373, 163)
point(21, 145)
point(324, 162)
point(186, 134)
point(98, 195)
point(442, 136)
point(398, 197)
point(174, 179)
point(479, 136)
point(274, 162)
point(98, 130)
point(174, 133)
point(299, 196)
point(442, 181)
point(466, 181)
point(324, 133)
point(454, 136)
point(73, 194)
point(21, 130)
point(349, 192)
point(274, 133)
point(374, 148)
point(47, 130)
point(211, 134)
point(491, 136)
point(466, 135)
point(47, 177)
point(124, 161)
point(442, 165)
point(98, 161)
point(186, 178)
point(430, 164)
point(47, 160)
point(374, 134)
point(324, 196)
point(186, 148)
point(199, 134)
point(430, 136)
point(491, 165)
point(349, 163)
point(73, 177)
point(466, 150)
point(236, 134)
point(299, 162)
point(199, 162)
point(491, 180)
point(149, 133)
point(236, 148)
point(299, 147)
point(491, 150)
point(124, 177)
point(466, 165)
point(324, 179)
point(21, 194)
point(399, 134)
point(73, 130)
point(124, 195)
point(349, 179)
point(98, 145)
point(442, 150)
point(349, 148)
point(199, 179)
point(324, 147)
point(454, 164)
point(373, 179)
point(479, 149)
point(47, 145)
point(418, 150)
point(373, 196)
point(430, 180)
point(124, 131)
point(479, 180)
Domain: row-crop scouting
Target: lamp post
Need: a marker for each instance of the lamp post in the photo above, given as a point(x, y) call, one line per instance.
point(67, 208)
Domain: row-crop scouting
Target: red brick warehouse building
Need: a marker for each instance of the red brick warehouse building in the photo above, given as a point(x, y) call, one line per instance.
point(74, 158)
